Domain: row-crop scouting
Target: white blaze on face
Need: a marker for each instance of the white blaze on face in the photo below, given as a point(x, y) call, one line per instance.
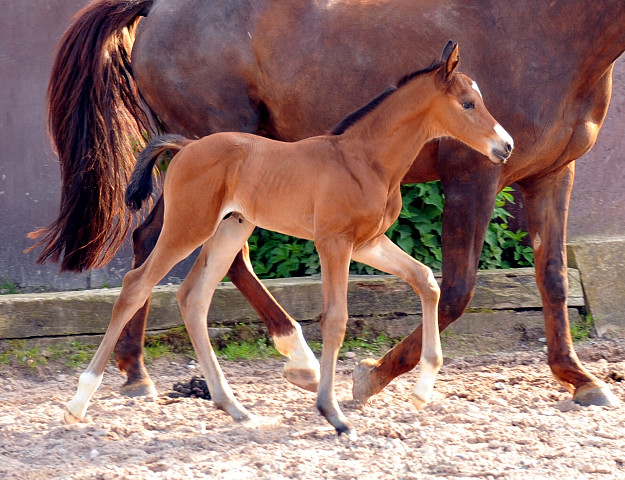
point(505, 136)
point(476, 88)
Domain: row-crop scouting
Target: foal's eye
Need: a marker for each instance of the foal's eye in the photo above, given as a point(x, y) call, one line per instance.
point(468, 105)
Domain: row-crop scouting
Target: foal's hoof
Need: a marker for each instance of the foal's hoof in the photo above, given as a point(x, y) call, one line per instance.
point(70, 418)
point(361, 388)
point(595, 395)
point(303, 378)
point(144, 388)
point(418, 401)
point(349, 432)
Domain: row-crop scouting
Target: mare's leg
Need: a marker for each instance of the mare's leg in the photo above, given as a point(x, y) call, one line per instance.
point(547, 203)
point(302, 368)
point(334, 255)
point(194, 297)
point(388, 257)
point(129, 347)
point(136, 288)
point(469, 202)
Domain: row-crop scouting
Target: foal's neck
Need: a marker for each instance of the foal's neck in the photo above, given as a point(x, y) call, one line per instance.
point(391, 136)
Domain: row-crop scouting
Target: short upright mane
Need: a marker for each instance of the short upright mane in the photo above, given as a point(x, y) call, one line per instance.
point(359, 114)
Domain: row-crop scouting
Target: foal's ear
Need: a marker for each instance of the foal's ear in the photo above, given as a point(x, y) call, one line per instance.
point(450, 58)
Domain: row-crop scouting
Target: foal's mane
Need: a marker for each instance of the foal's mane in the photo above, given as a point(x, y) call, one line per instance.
point(359, 114)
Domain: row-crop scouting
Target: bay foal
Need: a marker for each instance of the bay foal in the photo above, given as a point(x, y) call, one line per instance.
point(340, 190)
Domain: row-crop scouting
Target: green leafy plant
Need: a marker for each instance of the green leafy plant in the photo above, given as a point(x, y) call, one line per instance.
point(418, 231)
point(248, 350)
point(7, 287)
point(582, 328)
point(503, 247)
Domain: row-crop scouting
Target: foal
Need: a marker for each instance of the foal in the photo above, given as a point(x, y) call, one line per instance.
point(340, 190)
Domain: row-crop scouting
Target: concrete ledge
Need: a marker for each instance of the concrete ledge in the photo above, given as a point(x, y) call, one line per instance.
point(503, 300)
point(601, 262)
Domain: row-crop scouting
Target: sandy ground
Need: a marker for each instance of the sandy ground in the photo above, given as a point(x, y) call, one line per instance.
point(492, 416)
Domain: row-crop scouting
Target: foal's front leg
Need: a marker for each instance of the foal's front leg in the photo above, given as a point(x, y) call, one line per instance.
point(194, 297)
point(334, 255)
point(388, 257)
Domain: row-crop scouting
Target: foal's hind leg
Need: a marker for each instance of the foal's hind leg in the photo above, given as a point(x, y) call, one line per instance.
point(302, 368)
point(194, 297)
point(388, 257)
point(136, 288)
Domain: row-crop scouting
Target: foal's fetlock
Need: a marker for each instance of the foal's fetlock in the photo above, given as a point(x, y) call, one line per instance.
point(301, 368)
point(233, 408)
point(340, 423)
point(76, 409)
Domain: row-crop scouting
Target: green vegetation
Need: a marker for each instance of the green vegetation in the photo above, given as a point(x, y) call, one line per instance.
point(25, 354)
point(8, 287)
point(244, 343)
point(248, 350)
point(583, 328)
point(418, 231)
point(239, 345)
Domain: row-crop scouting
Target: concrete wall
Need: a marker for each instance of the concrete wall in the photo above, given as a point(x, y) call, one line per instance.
point(598, 199)
point(29, 173)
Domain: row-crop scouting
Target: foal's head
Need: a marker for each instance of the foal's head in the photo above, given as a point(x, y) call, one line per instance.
point(461, 112)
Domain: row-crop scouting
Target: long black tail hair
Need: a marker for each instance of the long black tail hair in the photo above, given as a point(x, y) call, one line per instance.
point(96, 119)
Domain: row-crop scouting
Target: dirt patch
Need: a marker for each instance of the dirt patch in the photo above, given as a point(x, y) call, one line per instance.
point(493, 416)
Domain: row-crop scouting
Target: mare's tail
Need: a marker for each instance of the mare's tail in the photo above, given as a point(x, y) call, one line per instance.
point(140, 184)
point(95, 118)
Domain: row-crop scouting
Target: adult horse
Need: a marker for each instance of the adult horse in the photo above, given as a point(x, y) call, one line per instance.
point(286, 70)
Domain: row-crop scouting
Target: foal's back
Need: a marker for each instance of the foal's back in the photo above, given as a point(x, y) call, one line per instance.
point(280, 186)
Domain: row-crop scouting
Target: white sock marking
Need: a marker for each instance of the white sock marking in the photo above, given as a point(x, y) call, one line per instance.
point(295, 348)
point(88, 383)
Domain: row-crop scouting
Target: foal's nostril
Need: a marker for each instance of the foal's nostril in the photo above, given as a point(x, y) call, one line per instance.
point(508, 147)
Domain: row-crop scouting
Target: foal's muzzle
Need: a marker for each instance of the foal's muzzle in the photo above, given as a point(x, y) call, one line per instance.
point(504, 155)
point(504, 148)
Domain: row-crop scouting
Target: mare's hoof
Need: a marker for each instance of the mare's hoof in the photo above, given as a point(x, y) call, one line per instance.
point(595, 395)
point(361, 388)
point(144, 388)
point(303, 378)
point(70, 418)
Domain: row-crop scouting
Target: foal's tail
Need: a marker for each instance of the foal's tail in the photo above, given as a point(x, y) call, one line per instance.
point(140, 184)
point(96, 117)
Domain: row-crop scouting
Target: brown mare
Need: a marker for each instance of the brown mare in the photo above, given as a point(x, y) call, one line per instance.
point(283, 69)
point(340, 190)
